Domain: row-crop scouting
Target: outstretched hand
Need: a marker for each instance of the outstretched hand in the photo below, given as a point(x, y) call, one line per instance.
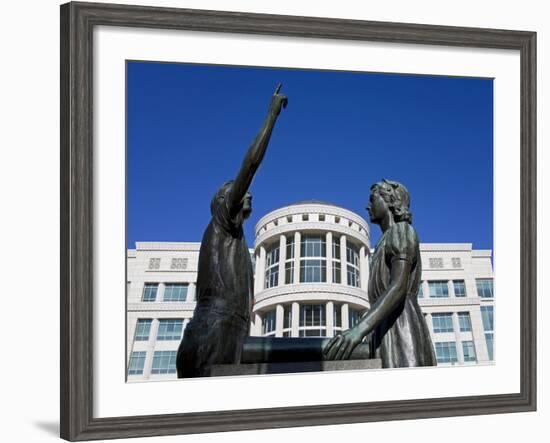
point(278, 101)
point(342, 345)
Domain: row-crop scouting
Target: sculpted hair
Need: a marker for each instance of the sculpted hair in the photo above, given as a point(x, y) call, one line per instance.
point(397, 197)
point(219, 195)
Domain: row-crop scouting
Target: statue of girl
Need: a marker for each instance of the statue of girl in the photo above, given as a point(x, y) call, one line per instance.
point(394, 325)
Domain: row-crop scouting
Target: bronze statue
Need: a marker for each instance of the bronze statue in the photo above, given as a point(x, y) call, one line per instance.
point(394, 325)
point(220, 323)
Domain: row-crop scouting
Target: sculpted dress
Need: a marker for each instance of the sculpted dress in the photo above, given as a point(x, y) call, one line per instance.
point(403, 338)
point(220, 323)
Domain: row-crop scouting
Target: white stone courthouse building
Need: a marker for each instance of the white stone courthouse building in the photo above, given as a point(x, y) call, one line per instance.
point(311, 274)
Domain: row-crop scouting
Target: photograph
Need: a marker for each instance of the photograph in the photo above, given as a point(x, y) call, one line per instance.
point(283, 220)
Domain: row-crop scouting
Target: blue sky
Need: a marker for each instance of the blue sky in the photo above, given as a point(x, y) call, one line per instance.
point(189, 127)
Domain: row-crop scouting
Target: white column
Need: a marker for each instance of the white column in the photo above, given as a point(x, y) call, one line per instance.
point(344, 260)
point(330, 319)
point(279, 318)
point(363, 268)
point(150, 349)
point(329, 257)
point(458, 339)
point(256, 329)
point(260, 272)
point(282, 259)
point(297, 239)
point(160, 292)
point(478, 335)
point(430, 325)
point(450, 288)
point(191, 293)
point(425, 289)
point(345, 316)
point(295, 320)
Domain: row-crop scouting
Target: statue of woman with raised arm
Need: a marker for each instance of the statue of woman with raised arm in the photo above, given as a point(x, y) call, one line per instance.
point(225, 279)
point(394, 325)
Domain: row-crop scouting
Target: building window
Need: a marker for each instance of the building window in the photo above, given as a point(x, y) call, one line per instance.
point(154, 263)
point(353, 317)
point(178, 263)
point(464, 321)
point(272, 267)
point(438, 289)
point(321, 217)
point(446, 352)
point(170, 329)
point(436, 263)
point(313, 271)
point(150, 292)
point(175, 292)
point(337, 317)
point(352, 255)
point(488, 327)
point(313, 246)
point(289, 272)
point(143, 328)
point(469, 351)
point(305, 217)
point(313, 321)
point(442, 322)
point(290, 247)
point(421, 290)
point(484, 287)
point(287, 320)
point(456, 262)
point(164, 362)
point(336, 261)
point(137, 363)
point(268, 323)
point(459, 288)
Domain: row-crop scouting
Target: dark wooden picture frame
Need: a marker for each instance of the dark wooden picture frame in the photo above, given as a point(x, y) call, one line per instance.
point(77, 24)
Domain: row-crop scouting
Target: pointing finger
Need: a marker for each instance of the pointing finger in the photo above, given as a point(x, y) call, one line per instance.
point(279, 86)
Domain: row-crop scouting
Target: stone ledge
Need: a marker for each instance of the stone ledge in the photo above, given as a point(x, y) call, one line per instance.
point(288, 368)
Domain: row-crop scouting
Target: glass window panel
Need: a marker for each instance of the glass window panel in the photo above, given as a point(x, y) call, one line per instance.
point(336, 248)
point(268, 322)
point(143, 328)
point(446, 352)
point(175, 292)
point(164, 362)
point(312, 271)
point(487, 317)
point(489, 341)
point(170, 329)
point(287, 316)
point(438, 289)
point(289, 247)
point(289, 272)
point(336, 272)
point(136, 364)
point(469, 351)
point(484, 287)
point(353, 317)
point(442, 322)
point(150, 292)
point(313, 246)
point(459, 288)
point(337, 321)
point(464, 321)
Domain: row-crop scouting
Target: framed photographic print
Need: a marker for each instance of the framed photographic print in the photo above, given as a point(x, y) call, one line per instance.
point(292, 221)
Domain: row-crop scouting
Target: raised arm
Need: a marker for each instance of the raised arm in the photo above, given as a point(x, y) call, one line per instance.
point(341, 346)
point(255, 153)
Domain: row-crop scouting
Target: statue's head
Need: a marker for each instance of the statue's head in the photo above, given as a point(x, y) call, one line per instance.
point(388, 195)
point(221, 195)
